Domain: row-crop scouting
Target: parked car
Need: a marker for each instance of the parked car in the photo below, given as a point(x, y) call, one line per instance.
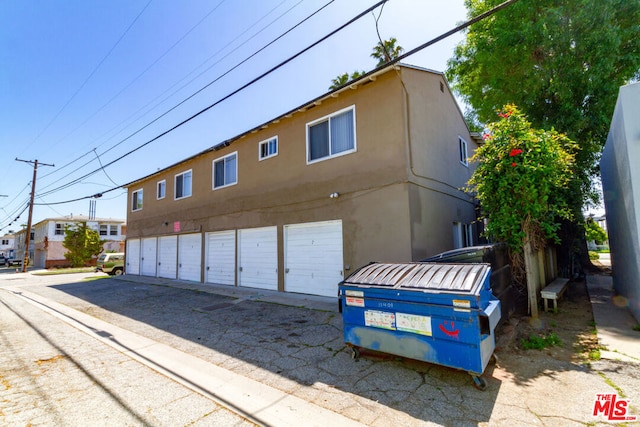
point(111, 263)
point(3, 260)
point(10, 262)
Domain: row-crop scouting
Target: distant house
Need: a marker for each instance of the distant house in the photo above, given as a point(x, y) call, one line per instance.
point(372, 171)
point(7, 245)
point(621, 188)
point(45, 247)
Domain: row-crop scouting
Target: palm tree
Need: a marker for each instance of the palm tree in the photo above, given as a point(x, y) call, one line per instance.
point(386, 51)
point(344, 78)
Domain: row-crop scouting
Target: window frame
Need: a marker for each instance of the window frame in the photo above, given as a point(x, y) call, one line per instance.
point(463, 151)
point(135, 207)
point(267, 142)
point(213, 171)
point(164, 189)
point(113, 230)
point(58, 229)
point(175, 185)
point(106, 229)
point(328, 118)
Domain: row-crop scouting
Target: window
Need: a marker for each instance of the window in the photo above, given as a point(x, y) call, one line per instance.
point(5, 242)
point(462, 235)
point(136, 200)
point(268, 148)
point(162, 189)
point(113, 230)
point(59, 231)
point(225, 171)
point(104, 230)
point(462, 148)
point(332, 135)
point(183, 185)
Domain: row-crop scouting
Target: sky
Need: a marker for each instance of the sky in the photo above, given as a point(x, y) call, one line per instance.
point(85, 82)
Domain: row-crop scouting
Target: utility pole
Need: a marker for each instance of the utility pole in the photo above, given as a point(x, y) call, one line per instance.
point(27, 238)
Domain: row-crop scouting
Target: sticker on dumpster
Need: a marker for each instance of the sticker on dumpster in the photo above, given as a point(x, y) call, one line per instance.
point(414, 323)
point(349, 293)
point(461, 305)
point(358, 302)
point(380, 319)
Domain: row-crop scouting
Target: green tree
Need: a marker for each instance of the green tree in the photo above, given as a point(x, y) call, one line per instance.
point(562, 63)
point(343, 79)
point(520, 181)
point(595, 233)
point(82, 243)
point(386, 51)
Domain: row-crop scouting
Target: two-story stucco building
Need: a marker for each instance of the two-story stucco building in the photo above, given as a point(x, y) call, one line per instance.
point(46, 249)
point(369, 172)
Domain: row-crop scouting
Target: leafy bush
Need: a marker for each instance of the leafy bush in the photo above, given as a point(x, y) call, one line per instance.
point(535, 342)
point(593, 255)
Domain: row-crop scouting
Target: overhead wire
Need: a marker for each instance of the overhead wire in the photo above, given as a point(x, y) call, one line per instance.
point(131, 119)
point(205, 87)
point(291, 58)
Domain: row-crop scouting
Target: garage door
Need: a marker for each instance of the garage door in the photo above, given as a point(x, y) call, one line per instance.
point(220, 266)
point(148, 249)
point(168, 257)
point(189, 257)
point(313, 258)
point(133, 257)
point(258, 258)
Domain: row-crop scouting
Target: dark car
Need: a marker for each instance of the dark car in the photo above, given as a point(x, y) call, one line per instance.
point(3, 260)
point(502, 285)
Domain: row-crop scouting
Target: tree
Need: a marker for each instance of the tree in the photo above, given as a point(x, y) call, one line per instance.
point(594, 232)
point(82, 243)
point(386, 51)
point(521, 180)
point(562, 63)
point(343, 79)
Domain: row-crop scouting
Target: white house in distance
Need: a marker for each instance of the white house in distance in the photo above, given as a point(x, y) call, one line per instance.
point(621, 188)
point(46, 250)
point(7, 245)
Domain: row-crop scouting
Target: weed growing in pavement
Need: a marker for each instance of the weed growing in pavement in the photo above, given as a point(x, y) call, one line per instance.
point(535, 342)
point(636, 327)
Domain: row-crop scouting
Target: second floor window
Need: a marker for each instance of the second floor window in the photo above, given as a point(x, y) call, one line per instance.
point(331, 136)
point(462, 145)
point(59, 231)
point(268, 148)
point(225, 171)
point(162, 189)
point(136, 200)
point(104, 229)
point(113, 230)
point(183, 185)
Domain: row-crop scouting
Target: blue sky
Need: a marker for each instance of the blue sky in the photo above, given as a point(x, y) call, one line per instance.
point(82, 80)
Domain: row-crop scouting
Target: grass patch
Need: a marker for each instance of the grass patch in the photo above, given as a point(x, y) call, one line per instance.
point(535, 342)
point(64, 271)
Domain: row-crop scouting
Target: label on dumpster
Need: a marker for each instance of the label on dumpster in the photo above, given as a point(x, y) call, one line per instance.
point(380, 319)
point(461, 305)
point(358, 302)
point(351, 293)
point(414, 323)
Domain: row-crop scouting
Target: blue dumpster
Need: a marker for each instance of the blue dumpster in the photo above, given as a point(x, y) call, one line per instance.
point(438, 313)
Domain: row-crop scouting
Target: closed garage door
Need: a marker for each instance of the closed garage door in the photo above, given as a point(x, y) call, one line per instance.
point(133, 257)
point(168, 257)
point(313, 258)
point(258, 258)
point(148, 256)
point(189, 257)
point(220, 266)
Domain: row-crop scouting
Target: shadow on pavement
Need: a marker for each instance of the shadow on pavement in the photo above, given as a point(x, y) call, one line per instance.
point(301, 350)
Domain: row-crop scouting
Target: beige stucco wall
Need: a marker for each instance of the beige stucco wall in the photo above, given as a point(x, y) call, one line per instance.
point(391, 208)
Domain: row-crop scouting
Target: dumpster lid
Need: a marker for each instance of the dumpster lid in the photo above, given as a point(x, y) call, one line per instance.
point(427, 277)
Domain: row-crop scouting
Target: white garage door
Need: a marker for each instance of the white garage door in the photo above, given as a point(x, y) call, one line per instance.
point(220, 266)
point(258, 258)
point(168, 256)
point(148, 256)
point(133, 257)
point(313, 258)
point(189, 257)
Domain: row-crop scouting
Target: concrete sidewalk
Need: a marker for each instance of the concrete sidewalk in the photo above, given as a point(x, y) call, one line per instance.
point(614, 321)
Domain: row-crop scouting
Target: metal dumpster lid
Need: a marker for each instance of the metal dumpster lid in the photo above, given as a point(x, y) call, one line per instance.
point(432, 277)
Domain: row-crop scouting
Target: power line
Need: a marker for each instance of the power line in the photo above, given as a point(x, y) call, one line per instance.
point(202, 89)
point(291, 58)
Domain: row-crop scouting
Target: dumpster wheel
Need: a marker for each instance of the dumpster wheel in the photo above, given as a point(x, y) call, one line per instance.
point(479, 382)
point(355, 352)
